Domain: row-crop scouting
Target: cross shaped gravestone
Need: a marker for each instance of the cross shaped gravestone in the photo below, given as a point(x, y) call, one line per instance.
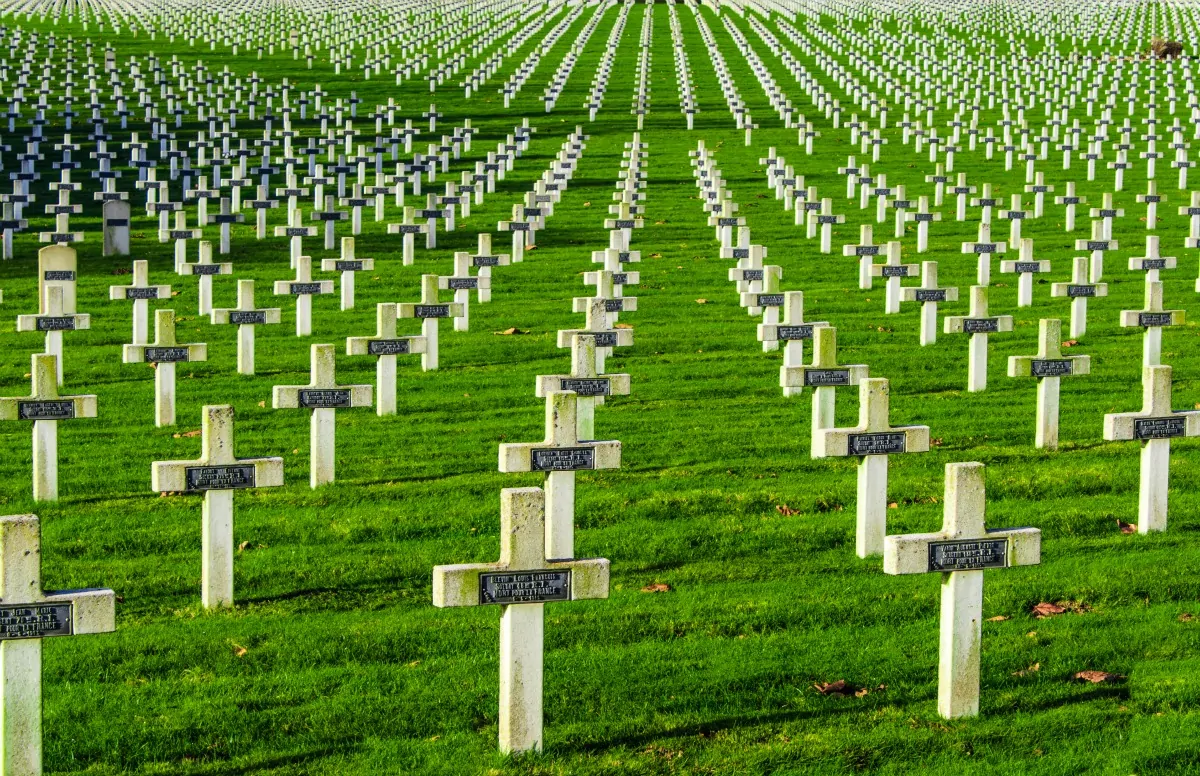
point(27, 615)
point(484, 260)
point(825, 219)
point(1097, 246)
point(180, 234)
point(824, 375)
point(872, 440)
point(246, 316)
point(45, 407)
point(347, 264)
point(461, 283)
point(205, 269)
point(217, 473)
point(385, 346)
point(164, 353)
point(929, 295)
point(893, 270)
point(430, 311)
point(866, 251)
point(1155, 426)
point(596, 323)
point(559, 456)
point(1079, 290)
point(979, 325)
point(586, 382)
point(960, 552)
point(1025, 267)
point(295, 232)
point(792, 331)
point(522, 581)
point(1070, 200)
point(140, 292)
point(1152, 319)
point(54, 321)
point(303, 287)
point(323, 396)
point(1049, 366)
point(923, 217)
point(1153, 261)
point(983, 247)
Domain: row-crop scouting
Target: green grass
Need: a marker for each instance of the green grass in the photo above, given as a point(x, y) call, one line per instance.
point(347, 667)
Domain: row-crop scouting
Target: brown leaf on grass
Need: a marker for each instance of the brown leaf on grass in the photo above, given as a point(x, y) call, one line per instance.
point(1070, 343)
point(622, 325)
point(1126, 528)
point(701, 301)
point(262, 404)
point(656, 255)
point(840, 689)
point(121, 271)
point(1033, 669)
point(893, 505)
point(189, 434)
point(1186, 617)
point(587, 204)
point(512, 330)
point(1098, 677)
point(1046, 609)
point(657, 587)
point(785, 510)
point(936, 442)
point(243, 546)
point(659, 223)
point(998, 618)
point(238, 649)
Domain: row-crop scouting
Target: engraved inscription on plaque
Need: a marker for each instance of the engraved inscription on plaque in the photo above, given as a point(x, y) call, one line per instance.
point(1097, 245)
point(981, 325)
point(141, 293)
point(984, 248)
point(347, 266)
point(459, 284)
point(788, 333)
point(740, 253)
point(751, 275)
point(56, 323)
point(165, 355)
point(876, 444)
point(247, 316)
point(34, 621)
point(431, 310)
point(206, 269)
point(728, 221)
point(1078, 291)
point(1154, 263)
point(968, 554)
point(525, 587)
point(301, 289)
point(562, 459)
point(219, 477)
point(770, 300)
point(590, 386)
point(486, 261)
point(930, 295)
point(387, 347)
point(866, 250)
point(1159, 428)
point(614, 305)
point(821, 377)
point(324, 398)
point(46, 410)
point(604, 339)
point(620, 278)
point(894, 271)
point(1051, 367)
point(1027, 266)
point(59, 274)
point(1154, 319)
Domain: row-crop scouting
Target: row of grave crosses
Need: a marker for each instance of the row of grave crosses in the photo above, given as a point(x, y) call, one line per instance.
point(538, 562)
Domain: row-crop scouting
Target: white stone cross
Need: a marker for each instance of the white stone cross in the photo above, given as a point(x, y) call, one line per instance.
point(1097, 246)
point(960, 552)
point(866, 251)
point(385, 346)
point(54, 321)
point(27, 615)
point(295, 231)
point(979, 325)
point(140, 292)
point(205, 268)
point(303, 287)
point(430, 311)
point(825, 219)
point(596, 323)
point(1070, 200)
point(324, 397)
point(408, 228)
point(1152, 319)
point(462, 282)
point(1078, 291)
point(824, 375)
point(983, 247)
point(347, 264)
point(923, 217)
point(1153, 261)
point(45, 407)
point(872, 440)
point(164, 353)
point(1049, 366)
point(1151, 199)
point(484, 259)
point(1155, 426)
point(246, 316)
point(1025, 266)
point(559, 456)
point(180, 234)
point(217, 473)
point(521, 582)
point(586, 382)
point(1015, 215)
point(929, 295)
point(893, 270)
point(792, 331)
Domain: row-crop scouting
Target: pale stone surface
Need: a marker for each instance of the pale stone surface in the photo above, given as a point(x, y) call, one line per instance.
point(824, 375)
point(1049, 366)
point(385, 346)
point(246, 316)
point(216, 473)
point(979, 325)
point(962, 579)
point(165, 352)
point(929, 295)
point(303, 288)
point(140, 292)
point(116, 228)
point(429, 310)
point(1152, 319)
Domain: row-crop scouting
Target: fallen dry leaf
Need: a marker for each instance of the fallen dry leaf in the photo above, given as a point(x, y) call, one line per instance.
point(1186, 617)
point(296, 451)
point(530, 247)
point(657, 587)
point(622, 325)
point(189, 434)
point(1070, 343)
point(1098, 677)
point(998, 618)
point(936, 442)
point(841, 689)
point(1045, 609)
point(262, 404)
point(1026, 671)
point(587, 204)
point(893, 505)
point(785, 510)
point(701, 301)
point(659, 223)
point(513, 330)
point(238, 649)
point(656, 255)
point(121, 271)
point(1126, 528)
point(243, 546)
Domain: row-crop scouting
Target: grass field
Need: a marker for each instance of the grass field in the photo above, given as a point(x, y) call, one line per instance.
point(334, 660)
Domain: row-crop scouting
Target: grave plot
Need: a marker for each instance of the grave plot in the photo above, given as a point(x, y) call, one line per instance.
point(801, 209)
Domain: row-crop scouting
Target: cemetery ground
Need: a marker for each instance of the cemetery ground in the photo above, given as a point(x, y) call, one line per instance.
point(736, 595)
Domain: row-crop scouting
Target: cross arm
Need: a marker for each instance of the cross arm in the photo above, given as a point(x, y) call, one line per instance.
point(601, 385)
point(435, 310)
point(298, 288)
point(1123, 426)
point(53, 322)
point(916, 294)
point(347, 265)
point(118, 293)
point(1075, 290)
point(1025, 366)
point(604, 339)
point(894, 270)
point(1147, 318)
point(223, 268)
point(913, 553)
point(839, 442)
point(544, 457)
point(986, 324)
point(198, 476)
point(266, 315)
point(819, 377)
point(93, 610)
point(50, 408)
point(460, 585)
point(385, 346)
point(137, 354)
point(1021, 266)
point(292, 397)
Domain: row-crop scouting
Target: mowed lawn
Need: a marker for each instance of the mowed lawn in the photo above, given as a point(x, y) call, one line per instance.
point(334, 661)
